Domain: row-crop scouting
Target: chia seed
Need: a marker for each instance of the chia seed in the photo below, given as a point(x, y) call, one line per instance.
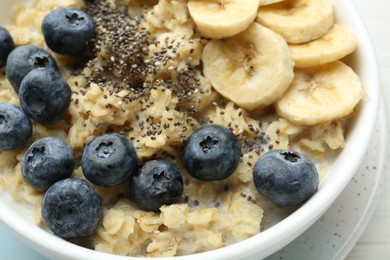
point(126, 42)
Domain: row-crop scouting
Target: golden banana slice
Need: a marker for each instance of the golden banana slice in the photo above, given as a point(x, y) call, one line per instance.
point(222, 18)
point(298, 21)
point(321, 94)
point(268, 2)
point(334, 45)
point(253, 69)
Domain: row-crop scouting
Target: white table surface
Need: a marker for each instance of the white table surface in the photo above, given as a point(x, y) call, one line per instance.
point(375, 242)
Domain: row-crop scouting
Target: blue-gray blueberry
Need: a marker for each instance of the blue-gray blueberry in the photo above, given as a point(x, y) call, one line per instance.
point(44, 95)
point(6, 45)
point(24, 59)
point(157, 183)
point(15, 127)
point(109, 160)
point(71, 208)
point(67, 30)
point(47, 161)
point(212, 152)
point(285, 177)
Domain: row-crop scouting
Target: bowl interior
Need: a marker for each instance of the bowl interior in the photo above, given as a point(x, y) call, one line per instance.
point(17, 215)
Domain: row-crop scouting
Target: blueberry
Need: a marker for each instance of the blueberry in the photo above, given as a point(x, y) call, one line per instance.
point(71, 208)
point(285, 177)
point(6, 46)
point(212, 152)
point(67, 31)
point(47, 161)
point(24, 59)
point(15, 127)
point(157, 183)
point(109, 160)
point(44, 95)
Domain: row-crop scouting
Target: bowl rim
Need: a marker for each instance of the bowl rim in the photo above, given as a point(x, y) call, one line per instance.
point(267, 241)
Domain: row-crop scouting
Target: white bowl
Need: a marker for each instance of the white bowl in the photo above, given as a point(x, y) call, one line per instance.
point(15, 215)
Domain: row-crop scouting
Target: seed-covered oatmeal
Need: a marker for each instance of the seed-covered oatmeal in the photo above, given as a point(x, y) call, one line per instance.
point(144, 77)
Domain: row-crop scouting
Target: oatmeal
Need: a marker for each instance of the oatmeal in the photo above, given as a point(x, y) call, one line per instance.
point(143, 78)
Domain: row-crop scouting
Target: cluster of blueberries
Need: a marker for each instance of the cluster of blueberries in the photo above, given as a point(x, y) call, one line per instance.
point(44, 97)
point(211, 153)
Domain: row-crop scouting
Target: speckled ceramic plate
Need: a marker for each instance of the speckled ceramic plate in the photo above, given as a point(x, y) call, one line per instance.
point(331, 237)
